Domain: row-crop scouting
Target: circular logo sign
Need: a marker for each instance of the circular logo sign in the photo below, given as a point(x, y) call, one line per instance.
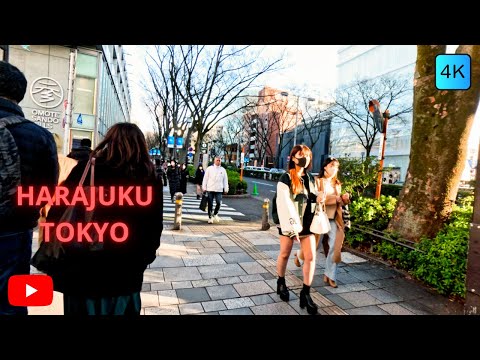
point(46, 92)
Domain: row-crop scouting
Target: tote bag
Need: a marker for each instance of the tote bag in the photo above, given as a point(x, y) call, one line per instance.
point(320, 223)
point(204, 202)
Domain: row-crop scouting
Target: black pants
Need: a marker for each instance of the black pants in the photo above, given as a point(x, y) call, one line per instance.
point(218, 201)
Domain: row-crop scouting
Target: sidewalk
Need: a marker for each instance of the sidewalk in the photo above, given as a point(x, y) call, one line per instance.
point(230, 269)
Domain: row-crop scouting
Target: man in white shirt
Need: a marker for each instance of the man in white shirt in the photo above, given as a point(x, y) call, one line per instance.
point(215, 182)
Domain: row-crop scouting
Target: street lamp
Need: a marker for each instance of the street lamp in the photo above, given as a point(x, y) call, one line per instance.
point(284, 93)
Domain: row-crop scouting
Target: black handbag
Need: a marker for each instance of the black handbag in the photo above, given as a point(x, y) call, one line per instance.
point(49, 257)
point(204, 202)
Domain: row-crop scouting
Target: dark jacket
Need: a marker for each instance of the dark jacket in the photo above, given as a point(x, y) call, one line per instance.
point(81, 154)
point(183, 180)
point(173, 174)
point(38, 163)
point(118, 268)
point(199, 174)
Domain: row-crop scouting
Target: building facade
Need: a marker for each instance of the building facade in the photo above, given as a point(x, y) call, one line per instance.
point(372, 61)
point(75, 92)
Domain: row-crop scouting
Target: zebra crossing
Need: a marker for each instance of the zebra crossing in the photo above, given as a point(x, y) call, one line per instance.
point(191, 211)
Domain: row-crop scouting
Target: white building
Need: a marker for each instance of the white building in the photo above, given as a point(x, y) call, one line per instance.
point(371, 61)
point(91, 79)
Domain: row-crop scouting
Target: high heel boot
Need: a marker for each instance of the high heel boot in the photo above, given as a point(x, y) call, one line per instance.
point(306, 300)
point(282, 289)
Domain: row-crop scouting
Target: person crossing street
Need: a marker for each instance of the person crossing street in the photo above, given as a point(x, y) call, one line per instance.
point(215, 182)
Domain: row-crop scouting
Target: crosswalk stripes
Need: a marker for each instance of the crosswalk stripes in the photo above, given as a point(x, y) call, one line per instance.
point(191, 211)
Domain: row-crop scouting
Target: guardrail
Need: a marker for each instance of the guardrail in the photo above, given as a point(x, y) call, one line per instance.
point(381, 235)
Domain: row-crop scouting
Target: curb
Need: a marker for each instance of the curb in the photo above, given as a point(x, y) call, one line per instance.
point(243, 196)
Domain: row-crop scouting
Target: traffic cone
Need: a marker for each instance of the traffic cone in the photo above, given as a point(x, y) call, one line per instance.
point(255, 191)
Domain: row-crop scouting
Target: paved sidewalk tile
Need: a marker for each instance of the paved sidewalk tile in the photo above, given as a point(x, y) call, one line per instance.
point(238, 303)
point(222, 292)
point(187, 309)
point(229, 280)
point(274, 309)
point(216, 305)
point(242, 311)
point(192, 295)
point(395, 309)
point(252, 288)
point(359, 299)
point(367, 310)
point(261, 299)
point(162, 310)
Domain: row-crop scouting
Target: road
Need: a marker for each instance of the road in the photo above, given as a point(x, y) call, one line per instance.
point(266, 188)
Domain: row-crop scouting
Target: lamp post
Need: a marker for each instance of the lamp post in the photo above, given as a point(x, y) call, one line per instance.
point(284, 93)
point(381, 121)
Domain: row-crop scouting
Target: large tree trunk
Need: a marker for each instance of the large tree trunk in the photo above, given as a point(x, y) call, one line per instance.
point(442, 120)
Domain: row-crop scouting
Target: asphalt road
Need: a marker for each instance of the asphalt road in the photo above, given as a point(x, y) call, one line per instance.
point(251, 207)
point(265, 188)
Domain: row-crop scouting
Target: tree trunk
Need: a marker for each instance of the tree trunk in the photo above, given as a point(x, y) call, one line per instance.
point(198, 149)
point(442, 120)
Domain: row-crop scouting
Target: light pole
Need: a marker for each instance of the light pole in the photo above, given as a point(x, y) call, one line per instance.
point(284, 93)
point(381, 121)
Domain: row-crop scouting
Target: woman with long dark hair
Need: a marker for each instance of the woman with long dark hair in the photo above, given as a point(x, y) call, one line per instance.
point(108, 279)
point(296, 199)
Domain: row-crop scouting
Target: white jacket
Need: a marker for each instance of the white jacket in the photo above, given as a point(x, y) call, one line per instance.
point(215, 179)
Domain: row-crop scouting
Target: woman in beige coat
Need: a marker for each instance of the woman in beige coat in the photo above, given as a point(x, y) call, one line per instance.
point(330, 189)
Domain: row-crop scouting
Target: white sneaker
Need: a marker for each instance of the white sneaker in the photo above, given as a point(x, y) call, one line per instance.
point(216, 218)
point(210, 220)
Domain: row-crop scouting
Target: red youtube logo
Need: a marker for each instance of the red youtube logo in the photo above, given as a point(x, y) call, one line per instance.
point(30, 290)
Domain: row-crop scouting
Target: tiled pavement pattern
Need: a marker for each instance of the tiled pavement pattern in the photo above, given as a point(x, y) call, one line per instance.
point(230, 269)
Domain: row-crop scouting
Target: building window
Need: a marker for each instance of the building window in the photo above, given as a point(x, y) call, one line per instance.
point(84, 95)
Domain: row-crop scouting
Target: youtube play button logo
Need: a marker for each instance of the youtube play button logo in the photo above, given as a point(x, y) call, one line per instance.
point(30, 290)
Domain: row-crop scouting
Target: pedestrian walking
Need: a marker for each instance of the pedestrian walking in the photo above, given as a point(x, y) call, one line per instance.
point(199, 174)
point(296, 200)
point(215, 183)
point(183, 178)
point(329, 186)
point(173, 175)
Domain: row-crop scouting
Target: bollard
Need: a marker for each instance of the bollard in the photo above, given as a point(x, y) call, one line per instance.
point(265, 223)
point(255, 190)
point(177, 224)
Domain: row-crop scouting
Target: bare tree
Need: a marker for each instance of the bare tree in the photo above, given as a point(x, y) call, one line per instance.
point(441, 126)
point(232, 134)
point(314, 123)
point(351, 105)
point(151, 140)
point(214, 78)
point(164, 101)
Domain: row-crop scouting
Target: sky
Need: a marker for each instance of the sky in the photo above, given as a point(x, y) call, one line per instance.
point(311, 68)
point(301, 68)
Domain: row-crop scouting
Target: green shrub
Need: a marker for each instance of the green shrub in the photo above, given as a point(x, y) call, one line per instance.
point(441, 262)
point(371, 213)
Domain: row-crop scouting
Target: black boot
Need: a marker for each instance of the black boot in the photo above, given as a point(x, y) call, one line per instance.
point(306, 300)
point(282, 289)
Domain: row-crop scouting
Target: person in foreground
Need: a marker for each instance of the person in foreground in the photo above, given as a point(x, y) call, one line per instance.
point(107, 281)
point(296, 199)
point(28, 157)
